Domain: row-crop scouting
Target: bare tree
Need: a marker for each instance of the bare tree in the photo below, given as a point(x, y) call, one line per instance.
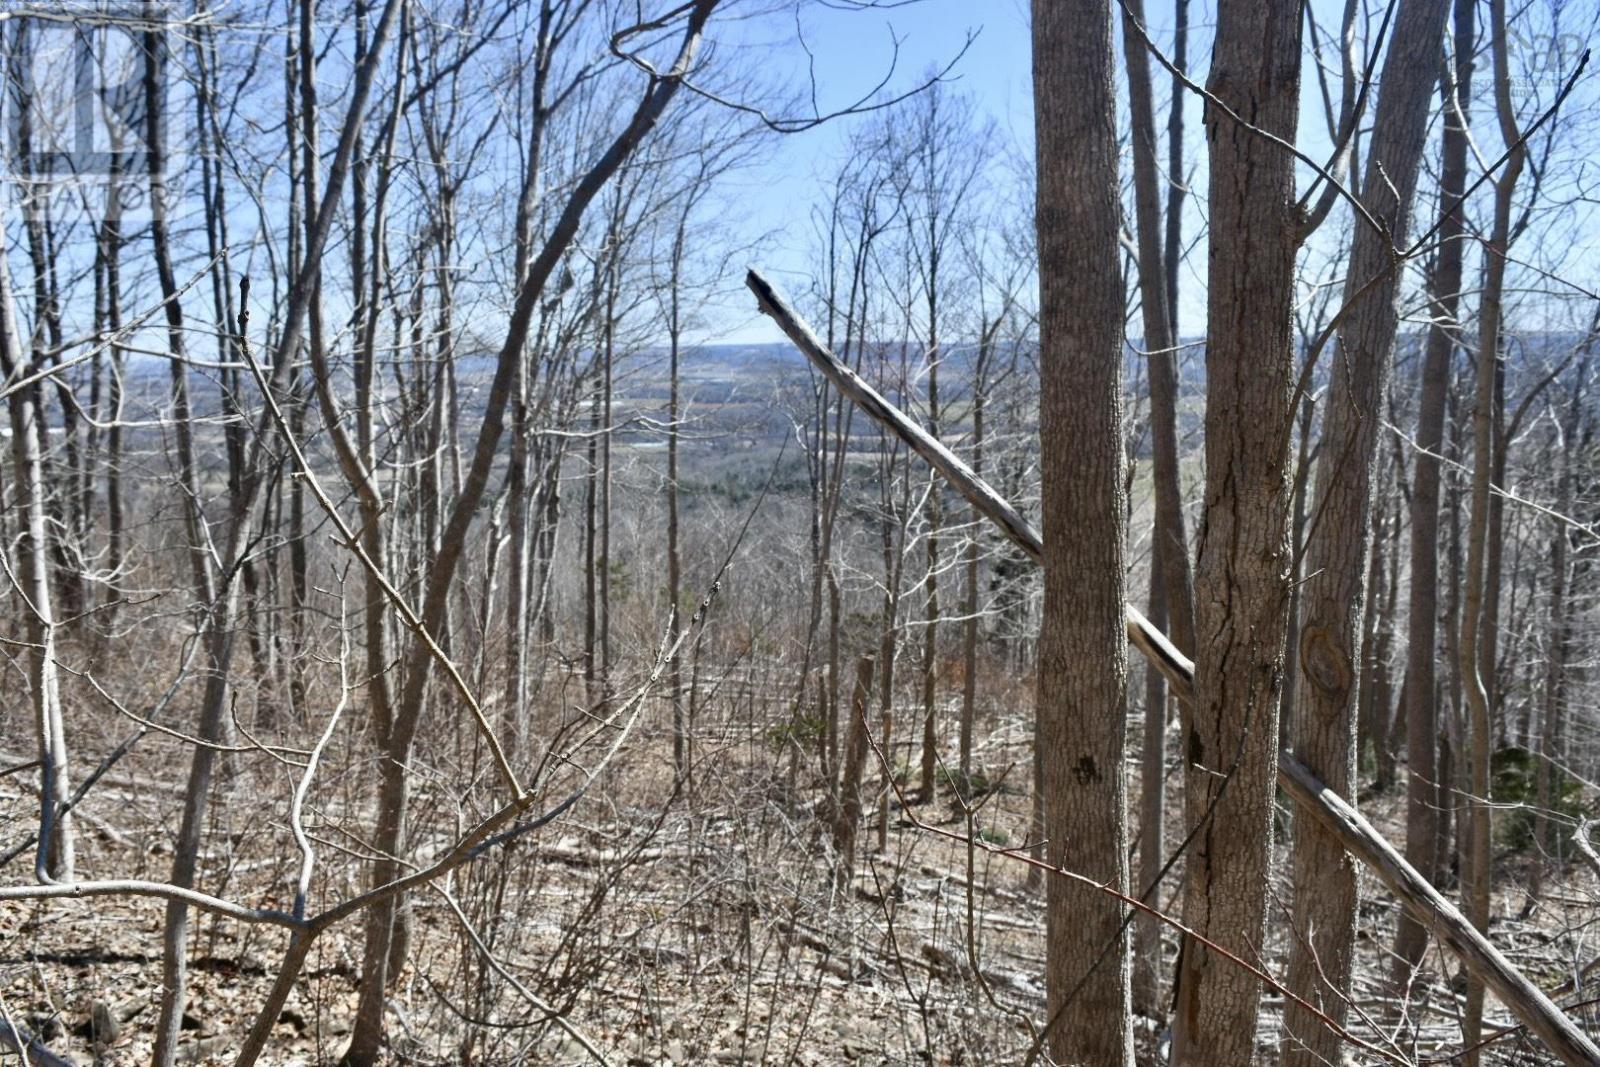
point(1424, 783)
point(1171, 579)
point(31, 579)
point(366, 1037)
point(1477, 872)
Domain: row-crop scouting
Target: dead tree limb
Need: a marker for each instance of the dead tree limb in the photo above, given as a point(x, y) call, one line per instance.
point(1476, 952)
point(1331, 811)
point(21, 1042)
point(1151, 642)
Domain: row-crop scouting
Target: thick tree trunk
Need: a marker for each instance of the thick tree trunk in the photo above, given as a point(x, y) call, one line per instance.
point(1331, 811)
point(1082, 676)
point(1242, 579)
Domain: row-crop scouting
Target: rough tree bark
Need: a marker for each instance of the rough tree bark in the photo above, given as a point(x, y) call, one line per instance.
point(1082, 676)
point(1332, 598)
point(1242, 576)
point(1474, 950)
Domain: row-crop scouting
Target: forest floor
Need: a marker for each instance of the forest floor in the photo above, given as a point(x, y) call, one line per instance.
point(696, 926)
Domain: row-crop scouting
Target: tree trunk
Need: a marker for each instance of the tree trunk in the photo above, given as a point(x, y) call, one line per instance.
point(1083, 648)
point(1171, 580)
point(1170, 544)
point(1172, 257)
point(110, 306)
point(1477, 872)
point(930, 636)
point(1330, 810)
point(1494, 560)
point(1152, 822)
point(1426, 788)
point(1555, 679)
point(969, 606)
point(607, 428)
point(855, 758)
point(367, 1032)
point(680, 737)
point(55, 858)
point(1242, 578)
point(591, 577)
point(1297, 530)
point(1334, 593)
point(194, 521)
point(221, 614)
point(1372, 697)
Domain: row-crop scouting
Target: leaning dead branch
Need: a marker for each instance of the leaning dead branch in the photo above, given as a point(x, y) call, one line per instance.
point(1475, 951)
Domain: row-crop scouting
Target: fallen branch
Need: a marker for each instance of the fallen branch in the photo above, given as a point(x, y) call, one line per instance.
point(27, 1045)
point(1430, 908)
point(1332, 812)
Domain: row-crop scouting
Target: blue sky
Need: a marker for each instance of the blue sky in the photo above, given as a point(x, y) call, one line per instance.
point(852, 49)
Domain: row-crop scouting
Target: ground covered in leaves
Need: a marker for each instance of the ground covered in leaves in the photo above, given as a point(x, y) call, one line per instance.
point(697, 924)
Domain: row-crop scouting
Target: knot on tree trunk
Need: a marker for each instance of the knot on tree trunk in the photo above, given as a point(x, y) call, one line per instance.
point(1324, 661)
